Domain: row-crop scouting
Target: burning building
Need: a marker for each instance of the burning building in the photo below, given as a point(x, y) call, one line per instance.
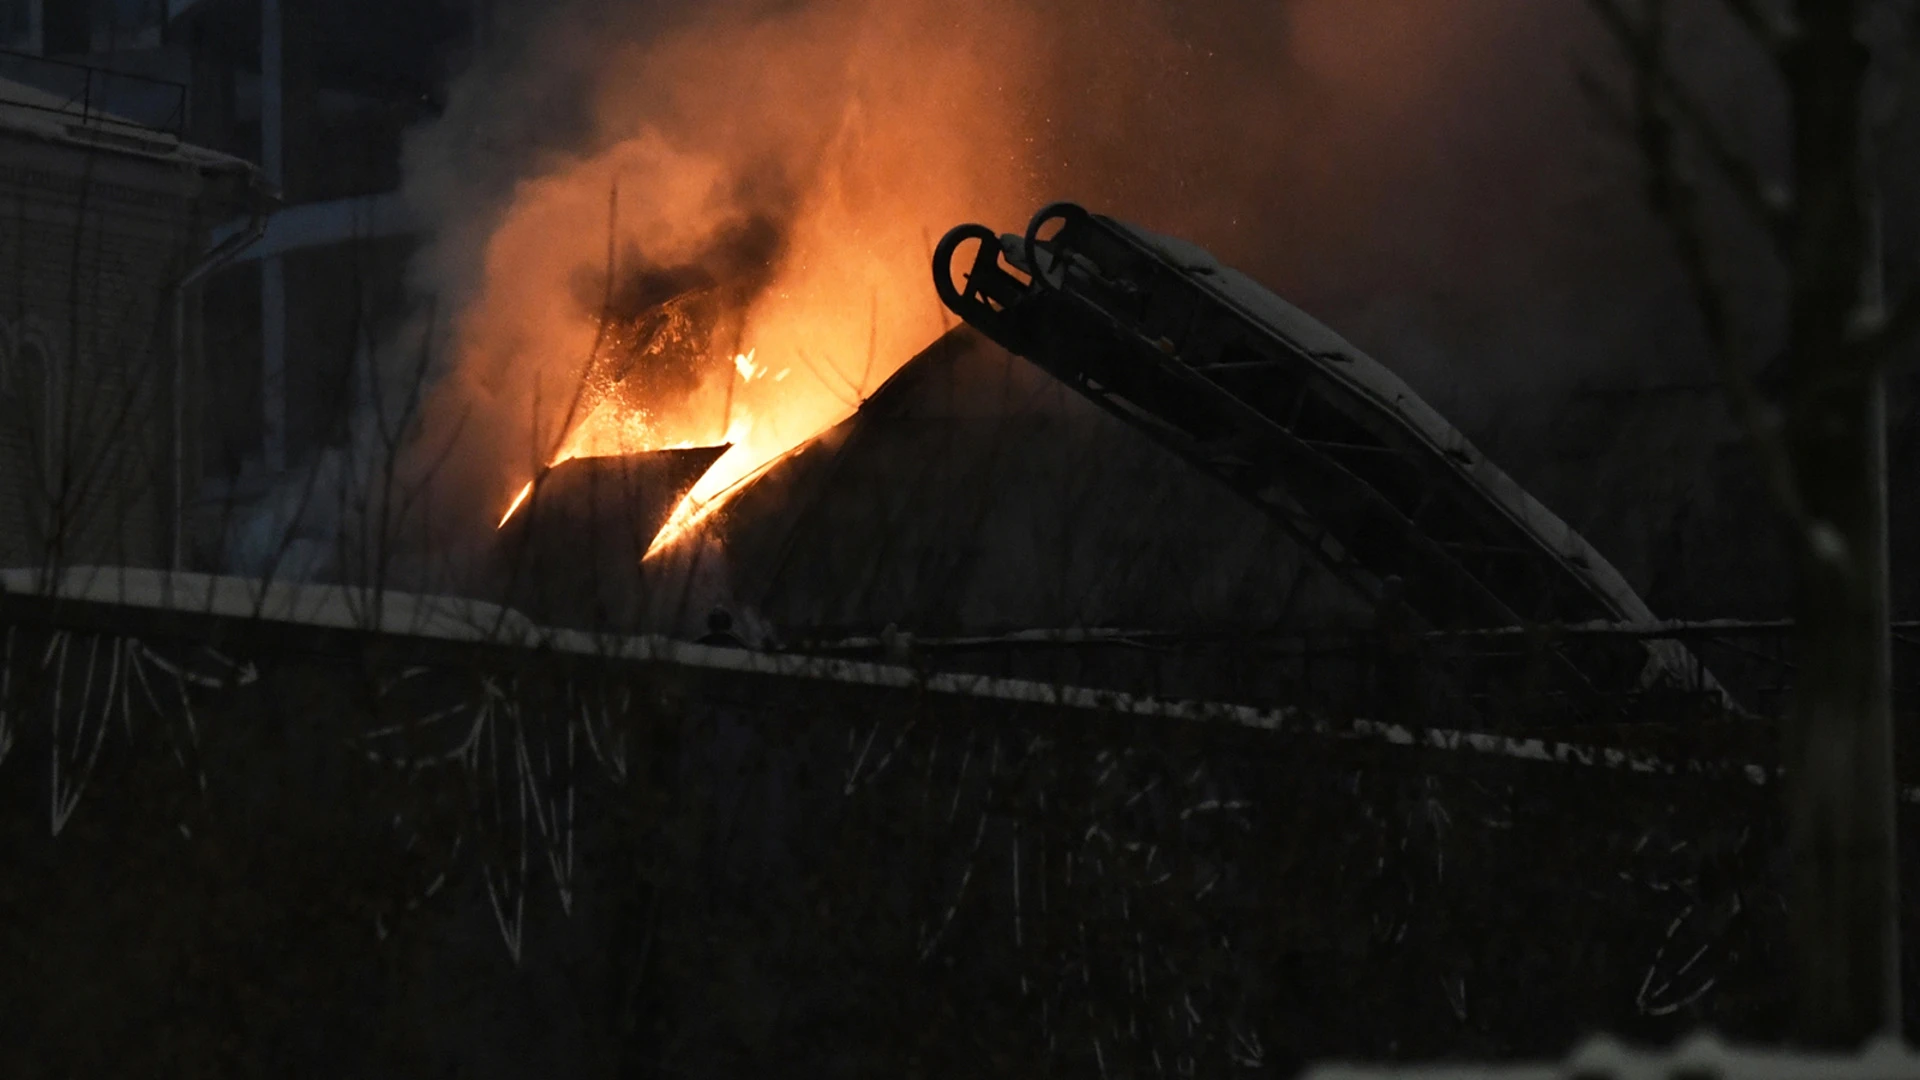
point(741, 262)
point(695, 361)
point(972, 498)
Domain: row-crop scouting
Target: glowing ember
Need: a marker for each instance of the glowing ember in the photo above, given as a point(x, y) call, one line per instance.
point(615, 428)
point(611, 431)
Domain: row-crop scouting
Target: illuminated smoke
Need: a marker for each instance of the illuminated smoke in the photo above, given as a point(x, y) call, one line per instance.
point(778, 171)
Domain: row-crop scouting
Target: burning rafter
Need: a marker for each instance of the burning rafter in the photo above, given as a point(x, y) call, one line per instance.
point(572, 545)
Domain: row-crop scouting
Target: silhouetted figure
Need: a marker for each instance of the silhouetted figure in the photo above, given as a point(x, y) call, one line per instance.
point(896, 644)
point(720, 630)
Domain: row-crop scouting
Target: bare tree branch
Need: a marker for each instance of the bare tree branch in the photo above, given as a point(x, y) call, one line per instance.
point(1675, 198)
point(1879, 338)
point(1772, 29)
point(1769, 203)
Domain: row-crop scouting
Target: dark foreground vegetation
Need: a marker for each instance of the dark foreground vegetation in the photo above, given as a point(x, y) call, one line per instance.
point(303, 851)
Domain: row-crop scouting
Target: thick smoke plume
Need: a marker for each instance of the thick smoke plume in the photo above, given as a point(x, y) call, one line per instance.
point(1416, 173)
point(786, 163)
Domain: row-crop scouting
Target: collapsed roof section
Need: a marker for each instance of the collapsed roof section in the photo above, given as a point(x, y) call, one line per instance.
point(571, 554)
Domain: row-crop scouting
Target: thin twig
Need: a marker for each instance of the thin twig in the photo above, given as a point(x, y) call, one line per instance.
point(1768, 203)
point(1676, 198)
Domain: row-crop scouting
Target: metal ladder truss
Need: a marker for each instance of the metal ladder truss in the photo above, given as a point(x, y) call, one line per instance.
point(1393, 499)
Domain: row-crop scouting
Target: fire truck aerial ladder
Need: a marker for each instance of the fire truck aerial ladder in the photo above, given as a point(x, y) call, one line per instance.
point(1389, 496)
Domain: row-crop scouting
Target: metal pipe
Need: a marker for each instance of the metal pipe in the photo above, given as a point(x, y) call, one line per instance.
point(273, 282)
point(220, 255)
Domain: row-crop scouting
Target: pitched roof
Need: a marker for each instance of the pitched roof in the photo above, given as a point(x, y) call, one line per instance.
point(973, 492)
point(36, 113)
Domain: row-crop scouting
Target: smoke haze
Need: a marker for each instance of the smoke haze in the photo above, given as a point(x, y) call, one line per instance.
point(1422, 176)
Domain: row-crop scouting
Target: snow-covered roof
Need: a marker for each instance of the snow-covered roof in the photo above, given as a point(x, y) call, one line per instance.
point(1369, 381)
point(36, 113)
point(1343, 362)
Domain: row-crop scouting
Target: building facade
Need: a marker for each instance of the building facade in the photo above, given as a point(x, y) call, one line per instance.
point(104, 223)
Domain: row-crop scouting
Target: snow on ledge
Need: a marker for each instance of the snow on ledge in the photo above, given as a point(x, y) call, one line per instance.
point(456, 619)
point(1703, 1056)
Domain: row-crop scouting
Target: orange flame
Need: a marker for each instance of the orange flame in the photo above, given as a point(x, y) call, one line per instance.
point(869, 117)
point(517, 500)
point(608, 430)
point(861, 129)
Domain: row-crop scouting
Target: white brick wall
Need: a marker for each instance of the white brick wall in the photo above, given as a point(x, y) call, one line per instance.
point(91, 243)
